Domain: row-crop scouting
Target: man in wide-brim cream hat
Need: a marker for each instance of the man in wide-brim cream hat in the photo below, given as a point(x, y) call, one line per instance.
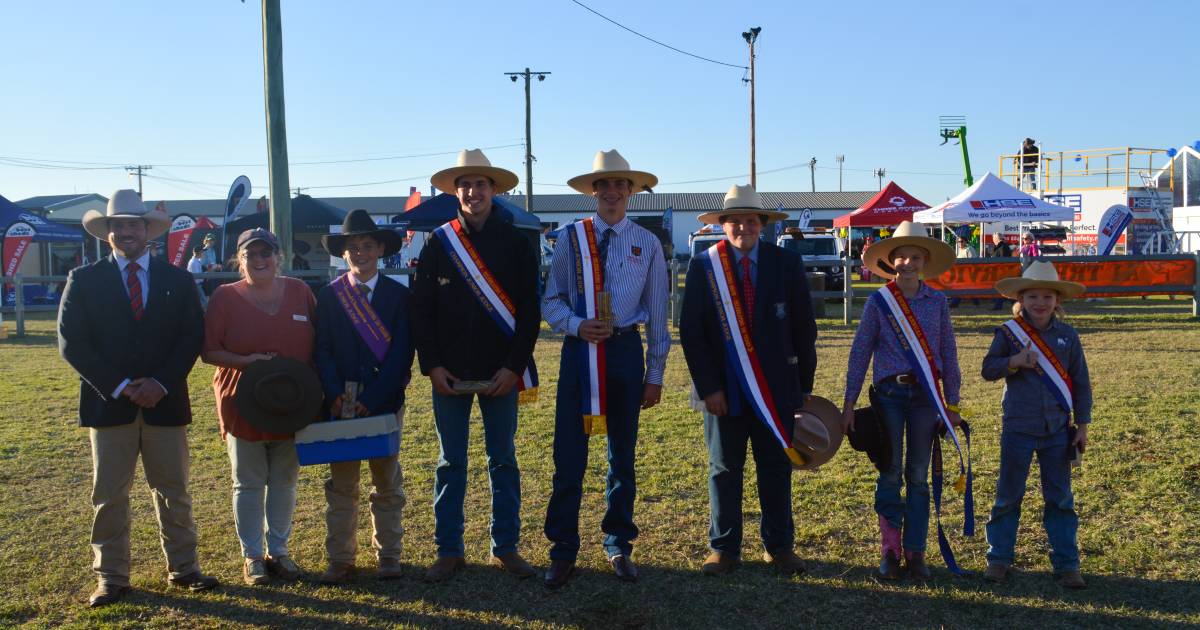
point(633, 274)
point(878, 257)
point(1039, 275)
point(474, 162)
point(126, 204)
point(768, 304)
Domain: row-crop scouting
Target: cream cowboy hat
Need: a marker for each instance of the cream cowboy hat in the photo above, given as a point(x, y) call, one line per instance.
point(1039, 275)
point(878, 256)
point(126, 204)
point(816, 432)
point(611, 164)
point(741, 200)
point(473, 162)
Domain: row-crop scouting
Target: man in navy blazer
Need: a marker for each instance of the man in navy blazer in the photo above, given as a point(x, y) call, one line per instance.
point(773, 288)
point(353, 350)
point(132, 327)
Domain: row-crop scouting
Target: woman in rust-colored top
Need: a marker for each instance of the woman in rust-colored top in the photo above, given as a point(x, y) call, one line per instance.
point(261, 316)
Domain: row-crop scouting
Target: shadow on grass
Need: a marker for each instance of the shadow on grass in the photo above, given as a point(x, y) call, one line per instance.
point(832, 594)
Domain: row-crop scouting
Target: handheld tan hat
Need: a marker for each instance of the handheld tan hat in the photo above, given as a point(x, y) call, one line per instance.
point(1039, 275)
point(878, 256)
point(473, 162)
point(611, 164)
point(816, 432)
point(126, 204)
point(741, 200)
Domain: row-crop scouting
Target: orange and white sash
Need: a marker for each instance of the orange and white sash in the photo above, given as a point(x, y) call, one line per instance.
point(589, 283)
point(1049, 369)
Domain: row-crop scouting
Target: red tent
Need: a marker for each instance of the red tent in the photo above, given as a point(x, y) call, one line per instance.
point(891, 206)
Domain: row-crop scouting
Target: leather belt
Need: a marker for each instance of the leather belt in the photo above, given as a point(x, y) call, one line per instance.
point(633, 328)
point(902, 379)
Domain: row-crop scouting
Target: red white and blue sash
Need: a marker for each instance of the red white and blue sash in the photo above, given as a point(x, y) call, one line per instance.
point(362, 316)
point(739, 347)
point(901, 319)
point(589, 283)
point(1049, 369)
point(492, 297)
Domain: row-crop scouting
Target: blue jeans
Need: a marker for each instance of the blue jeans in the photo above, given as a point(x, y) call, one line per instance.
point(1058, 517)
point(451, 415)
point(726, 438)
point(907, 414)
point(625, 372)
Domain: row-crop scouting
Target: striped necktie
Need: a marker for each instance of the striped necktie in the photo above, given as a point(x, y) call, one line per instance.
point(747, 292)
point(135, 289)
point(602, 252)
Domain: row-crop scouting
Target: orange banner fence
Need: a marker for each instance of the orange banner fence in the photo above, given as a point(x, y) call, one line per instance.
point(1104, 276)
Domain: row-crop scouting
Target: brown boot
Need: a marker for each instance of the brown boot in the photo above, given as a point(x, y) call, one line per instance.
point(106, 594)
point(889, 567)
point(389, 569)
point(996, 572)
point(443, 568)
point(917, 568)
point(785, 560)
point(718, 564)
point(514, 564)
point(1070, 579)
point(336, 573)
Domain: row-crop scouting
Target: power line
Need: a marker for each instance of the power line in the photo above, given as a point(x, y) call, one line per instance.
point(651, 39)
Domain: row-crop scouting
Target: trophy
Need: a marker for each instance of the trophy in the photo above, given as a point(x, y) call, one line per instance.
point(604, 309)
point(350, 400)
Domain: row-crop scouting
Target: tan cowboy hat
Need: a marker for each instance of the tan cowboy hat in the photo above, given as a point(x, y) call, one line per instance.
point(877, 258)
point(1039, 275)
point(611, 164)
point(741, 200)
point(473, 162)
point(126, 204)
point(816, 432)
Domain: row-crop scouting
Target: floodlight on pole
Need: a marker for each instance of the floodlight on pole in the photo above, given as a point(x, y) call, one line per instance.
point(541, 76)
point(751, 36)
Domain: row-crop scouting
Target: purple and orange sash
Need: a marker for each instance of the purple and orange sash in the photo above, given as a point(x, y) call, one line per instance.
point(739, 347)
point(492, 297)
point(589, 283)
point(362, 316)
point(1049, 369)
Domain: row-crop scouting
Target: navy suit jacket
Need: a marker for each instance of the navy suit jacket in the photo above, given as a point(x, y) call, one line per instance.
point(341, 354)
point(98, 336)
point(784, 333)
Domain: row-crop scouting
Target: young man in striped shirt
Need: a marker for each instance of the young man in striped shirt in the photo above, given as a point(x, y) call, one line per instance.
point(604, 382)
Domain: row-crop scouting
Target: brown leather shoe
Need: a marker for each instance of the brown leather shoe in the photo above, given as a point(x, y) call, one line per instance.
point(389, 569)
point(283, 567)
point(1070, 579)
point(106, 594)
point(559, 572)
point(917, 569)
point(336, 573)
point(443, 568)
point(254, 572)
point(996, 572)
point(625, 569)
point(889, 567)
point(514, 564)
point(786, 561)
point(195, 581)
point(718, 564)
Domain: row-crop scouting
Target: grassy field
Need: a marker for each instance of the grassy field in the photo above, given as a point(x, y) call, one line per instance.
point(1137, 494)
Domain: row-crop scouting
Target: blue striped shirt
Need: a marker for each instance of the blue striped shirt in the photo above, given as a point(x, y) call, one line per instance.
point(636, 277)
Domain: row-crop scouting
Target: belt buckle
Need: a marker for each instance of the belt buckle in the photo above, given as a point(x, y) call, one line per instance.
point(906, 379)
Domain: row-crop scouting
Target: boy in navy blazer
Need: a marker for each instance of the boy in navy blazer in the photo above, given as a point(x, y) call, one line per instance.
point(358, 349)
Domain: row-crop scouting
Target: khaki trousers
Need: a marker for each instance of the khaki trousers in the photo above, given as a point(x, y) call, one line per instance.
point(387, 507)
point(165, 460)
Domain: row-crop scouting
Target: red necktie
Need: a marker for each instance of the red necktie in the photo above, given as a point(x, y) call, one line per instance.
point(747, 292)
point(135, 289)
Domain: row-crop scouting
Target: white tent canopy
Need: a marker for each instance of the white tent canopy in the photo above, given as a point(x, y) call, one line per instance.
point(991, 199)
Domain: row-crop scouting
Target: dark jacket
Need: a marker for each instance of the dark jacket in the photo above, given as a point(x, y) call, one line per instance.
point(1029, 406)
point(98, 336)
point(784, 333)
point(449, 324)
point(342, 355)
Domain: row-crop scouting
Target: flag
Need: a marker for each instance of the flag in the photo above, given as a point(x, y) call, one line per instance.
point(805, 218)
point(414, 200)
point(262, 206)
point(178, 238)
point(669, 221)
point(239, 192)
point(1112, 224)
point(16, 241)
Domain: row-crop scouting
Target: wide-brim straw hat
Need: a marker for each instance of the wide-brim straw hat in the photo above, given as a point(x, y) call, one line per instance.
point(359, 223)
point(878, 256)
point(816, 432)
point(1039, 275)
point(474, 162)
point(610, 164)
point(741, 200)
point(126, 204)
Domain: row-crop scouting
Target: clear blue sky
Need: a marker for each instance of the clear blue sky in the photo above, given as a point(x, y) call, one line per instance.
point(175, 83)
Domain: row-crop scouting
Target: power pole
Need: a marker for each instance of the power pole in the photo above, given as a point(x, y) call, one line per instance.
point(879, 172)
point(812, 172)
point(277, 158)
point(139, 168)
point(841, 159)
point(541, 76)
point(751, 36)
